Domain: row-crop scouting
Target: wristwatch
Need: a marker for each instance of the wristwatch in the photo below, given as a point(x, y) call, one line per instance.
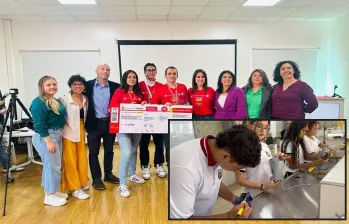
point(261, 188)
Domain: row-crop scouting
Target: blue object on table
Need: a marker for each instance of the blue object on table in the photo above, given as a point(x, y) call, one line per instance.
point(244, 196)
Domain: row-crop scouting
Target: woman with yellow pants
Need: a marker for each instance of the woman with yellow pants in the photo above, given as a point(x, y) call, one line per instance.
point(74, 162)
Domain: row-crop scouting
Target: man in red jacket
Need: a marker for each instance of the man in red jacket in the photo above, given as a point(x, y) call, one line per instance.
point(149, 87)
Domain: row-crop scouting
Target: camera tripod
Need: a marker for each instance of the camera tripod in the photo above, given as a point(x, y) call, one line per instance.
point(11, 113)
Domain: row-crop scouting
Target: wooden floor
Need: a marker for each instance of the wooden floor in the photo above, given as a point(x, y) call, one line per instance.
point(148, 202)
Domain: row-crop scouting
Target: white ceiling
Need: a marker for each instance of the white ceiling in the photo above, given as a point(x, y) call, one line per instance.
point(126, 10)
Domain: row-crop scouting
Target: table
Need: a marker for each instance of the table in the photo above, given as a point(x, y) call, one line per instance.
point(27, 135)
point(289, 202)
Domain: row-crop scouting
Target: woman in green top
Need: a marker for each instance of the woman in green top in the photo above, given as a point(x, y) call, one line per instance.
point(258, 93)
point(49, 119)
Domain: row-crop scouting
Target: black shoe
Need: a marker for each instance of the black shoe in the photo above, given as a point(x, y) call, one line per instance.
point(98, 185)
point(111, 178)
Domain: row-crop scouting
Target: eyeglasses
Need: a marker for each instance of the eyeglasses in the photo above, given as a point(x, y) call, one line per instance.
point(267, 129)
point(77, 84)
point(150, 70)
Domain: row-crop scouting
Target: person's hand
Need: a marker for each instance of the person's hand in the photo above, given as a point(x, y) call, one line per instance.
point(271, 185)
point(144, 102)
point(51, 146)
point(168, 104)
point(3, 111)
point(324, 156)
point(232, 214)
point(281, 155)
point(2, 102)
point(318, 163)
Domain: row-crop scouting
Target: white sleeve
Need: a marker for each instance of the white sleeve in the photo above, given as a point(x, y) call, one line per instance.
point(183, 187)
point(308, 146)
point(289, 148)
point(317, 141)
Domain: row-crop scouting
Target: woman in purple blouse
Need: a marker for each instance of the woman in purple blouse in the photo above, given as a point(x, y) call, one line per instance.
point(229, 101)
point(291, 98)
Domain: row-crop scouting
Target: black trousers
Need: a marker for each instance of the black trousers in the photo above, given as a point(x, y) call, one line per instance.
point(94, 142)
point(144, 150)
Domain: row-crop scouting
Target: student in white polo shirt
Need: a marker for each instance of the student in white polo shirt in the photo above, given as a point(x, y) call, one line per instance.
point(196, 172)
point(312, 144)
point(257, 179)
point(293, 144)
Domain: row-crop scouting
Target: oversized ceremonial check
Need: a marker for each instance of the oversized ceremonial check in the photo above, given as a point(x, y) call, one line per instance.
point(137, 118)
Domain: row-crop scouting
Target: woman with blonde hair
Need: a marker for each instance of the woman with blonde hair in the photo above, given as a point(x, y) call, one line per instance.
point(49, 119)
point(74, 170)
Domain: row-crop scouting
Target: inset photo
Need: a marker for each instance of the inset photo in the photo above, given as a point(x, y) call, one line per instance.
point(257, 169)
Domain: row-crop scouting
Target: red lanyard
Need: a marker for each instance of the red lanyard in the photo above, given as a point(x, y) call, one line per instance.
point(132, 98)
point(150, 94)
point(172, 92)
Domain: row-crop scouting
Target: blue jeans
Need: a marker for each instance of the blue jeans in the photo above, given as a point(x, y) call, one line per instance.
point(128, 145)
point(52, 162)
point(165, 137)
point(202, 117)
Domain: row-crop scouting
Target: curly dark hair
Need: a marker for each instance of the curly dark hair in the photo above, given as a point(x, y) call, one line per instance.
point(277, 75)
point(219, 83)
point(292, 137)
point(194, 84)
point(242, 144)
point(76, 78)
point(125, 86)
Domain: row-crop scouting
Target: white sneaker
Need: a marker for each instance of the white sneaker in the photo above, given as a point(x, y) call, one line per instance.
point(146, 172)
point(54, 200)
point(124, 192)
point(80, 194)
point(61, 195)
point(86, 188)
point(160, 171)
point(136, 179)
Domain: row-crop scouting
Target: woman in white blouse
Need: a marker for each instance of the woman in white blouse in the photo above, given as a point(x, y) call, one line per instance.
point(312, 144)
point(74, 162)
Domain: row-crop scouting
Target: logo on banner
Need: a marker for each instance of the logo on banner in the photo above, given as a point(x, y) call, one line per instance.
point(164, 109)
point(148, 118)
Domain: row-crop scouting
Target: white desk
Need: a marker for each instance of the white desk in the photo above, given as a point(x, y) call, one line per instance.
point(28, 139)
point(332, 193)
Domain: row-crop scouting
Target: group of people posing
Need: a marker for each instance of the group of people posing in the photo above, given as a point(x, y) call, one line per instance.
point(196, 174)
point(61, 124)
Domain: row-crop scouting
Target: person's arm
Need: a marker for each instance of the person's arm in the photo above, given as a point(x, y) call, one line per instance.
point(293, 165)
point(226, 194)
point(115, 100)
point(240, 180)
point(241, 112)
point(232, 214)
point(309, 97)
point(311, 154)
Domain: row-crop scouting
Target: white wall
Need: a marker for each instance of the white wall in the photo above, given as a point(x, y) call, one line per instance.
point(3, 67)
point(338, 69)
point(41, 35)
